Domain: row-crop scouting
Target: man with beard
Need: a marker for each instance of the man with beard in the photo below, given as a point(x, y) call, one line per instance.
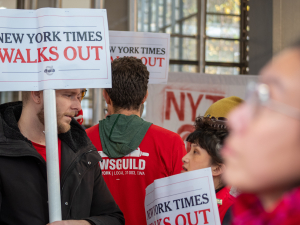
point(85, 198)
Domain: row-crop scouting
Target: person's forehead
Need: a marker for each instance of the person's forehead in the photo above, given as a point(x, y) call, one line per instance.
point(282, 74)
point(284, 66)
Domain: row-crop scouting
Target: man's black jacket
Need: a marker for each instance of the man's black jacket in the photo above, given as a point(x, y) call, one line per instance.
point(23, 179)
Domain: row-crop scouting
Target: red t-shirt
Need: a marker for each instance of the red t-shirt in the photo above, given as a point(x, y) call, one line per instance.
point(159, 155)
point(227, 200)
point(42, 150)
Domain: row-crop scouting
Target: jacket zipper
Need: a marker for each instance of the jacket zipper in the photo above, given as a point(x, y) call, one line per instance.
point(71, 202)
point(73, 164)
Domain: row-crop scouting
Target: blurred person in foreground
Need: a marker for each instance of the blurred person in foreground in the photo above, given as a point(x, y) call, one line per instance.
point(85, 198)
point(134, 152)
point(262, 153)
point(206, 143)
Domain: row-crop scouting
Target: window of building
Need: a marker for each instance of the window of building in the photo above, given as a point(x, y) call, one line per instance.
point(225, 37)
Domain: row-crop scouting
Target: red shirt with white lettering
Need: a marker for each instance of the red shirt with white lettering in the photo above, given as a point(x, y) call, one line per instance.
point(159, 155)
point(42, 150)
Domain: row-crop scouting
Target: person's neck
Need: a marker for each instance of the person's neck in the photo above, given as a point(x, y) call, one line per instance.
point(218, 182)
point(270, 199)
point(31, 127)
point(128, 112)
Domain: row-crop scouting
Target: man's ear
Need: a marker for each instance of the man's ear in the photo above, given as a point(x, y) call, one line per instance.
point(37, 97)
point(145, 98)
point(217, 170)
point(106, 97)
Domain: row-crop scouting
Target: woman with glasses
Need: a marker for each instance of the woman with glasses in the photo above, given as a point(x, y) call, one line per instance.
point(262, 152)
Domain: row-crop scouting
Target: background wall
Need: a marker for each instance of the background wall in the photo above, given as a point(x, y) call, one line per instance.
point(12, 4)
point(260, 33)
point(274, 25)
point(286, 23)
point(75, 4)
point(117, 14)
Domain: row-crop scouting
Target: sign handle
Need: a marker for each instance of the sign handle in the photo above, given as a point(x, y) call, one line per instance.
point(53, 177)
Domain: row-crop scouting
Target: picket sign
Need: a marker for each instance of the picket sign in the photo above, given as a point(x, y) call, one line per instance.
point(187, 198)
point(54, 49)
point(152, 48)
point(49, 49)
point(53, 178)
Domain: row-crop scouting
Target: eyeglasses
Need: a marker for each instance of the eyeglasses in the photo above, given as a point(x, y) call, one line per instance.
point(83, 93)
point(258, 94)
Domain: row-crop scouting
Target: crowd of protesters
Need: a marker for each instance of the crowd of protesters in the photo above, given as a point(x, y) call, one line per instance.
point(251, 146)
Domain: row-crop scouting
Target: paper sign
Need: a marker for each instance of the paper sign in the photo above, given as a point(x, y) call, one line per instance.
point(187, 198)
point(151, 48)
point(54, 49)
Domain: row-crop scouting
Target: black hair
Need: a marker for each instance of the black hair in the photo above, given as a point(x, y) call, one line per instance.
point(209, 134)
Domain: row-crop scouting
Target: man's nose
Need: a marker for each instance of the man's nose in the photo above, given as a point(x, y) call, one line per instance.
point(76, 105)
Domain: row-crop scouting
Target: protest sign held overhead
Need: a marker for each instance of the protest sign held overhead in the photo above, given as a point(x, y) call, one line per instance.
point(54, 49)
point(184, 199)
point(151, 48)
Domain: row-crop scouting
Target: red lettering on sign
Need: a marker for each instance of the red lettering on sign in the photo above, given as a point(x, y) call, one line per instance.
point(80, 52)
point(97, 51)
point(177, 218)
point(171, 98)
point(145, 60)
point(160, 60)
point(6, 55)
point(184, 131)
point(194, 107)
point(189, 218)
point(41, 55)
point(28, 57)
point(112, 59)
point(167, 222)
point(19, 56)
point(53, 53)
point(74, 53)
point(150, 62)
point(204, 215)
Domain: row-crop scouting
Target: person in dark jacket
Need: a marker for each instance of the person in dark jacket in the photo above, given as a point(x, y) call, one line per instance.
point(85, 198)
